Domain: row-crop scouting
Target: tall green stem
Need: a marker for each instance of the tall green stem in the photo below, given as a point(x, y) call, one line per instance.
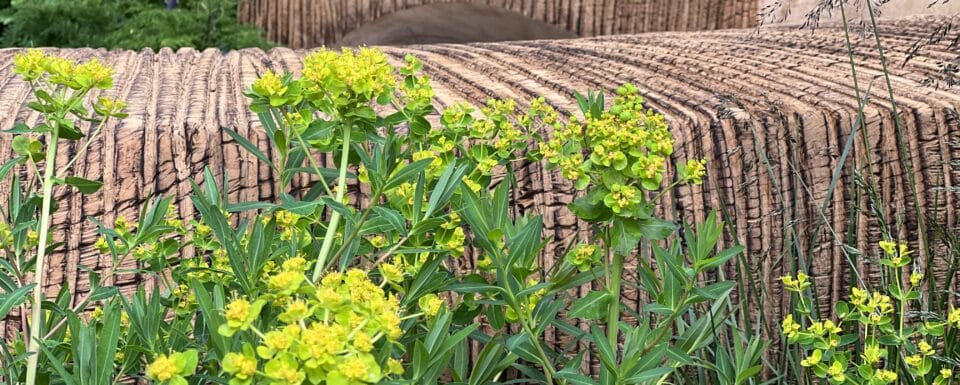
point(613, 313)
point(36, 318)
point(335, 216)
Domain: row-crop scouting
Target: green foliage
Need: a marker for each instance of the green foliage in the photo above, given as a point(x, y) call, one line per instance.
point(309, 289)
point(898, 344)
point(130, 24)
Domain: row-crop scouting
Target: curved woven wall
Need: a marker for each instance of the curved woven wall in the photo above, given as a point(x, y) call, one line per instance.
point(312, 23)
point(770, 112)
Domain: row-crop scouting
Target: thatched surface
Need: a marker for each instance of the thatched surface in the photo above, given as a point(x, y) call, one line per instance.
point(744, 101)
point(312, 23)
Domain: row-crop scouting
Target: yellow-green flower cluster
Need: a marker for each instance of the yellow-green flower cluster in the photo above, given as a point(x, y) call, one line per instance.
point(174, 368)
point(584, 257)
point(34, 65)
point(348, 77)
point(327, 334)
point(624, 149)
point(881, 320)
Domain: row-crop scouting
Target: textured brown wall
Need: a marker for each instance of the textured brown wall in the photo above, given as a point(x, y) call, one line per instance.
point(311, 23)
point(795, 11)
point(770, 112)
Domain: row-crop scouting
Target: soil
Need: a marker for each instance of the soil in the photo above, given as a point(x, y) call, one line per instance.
point(451, 23)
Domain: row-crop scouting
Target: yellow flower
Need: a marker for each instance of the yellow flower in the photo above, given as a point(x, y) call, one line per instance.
point(430, 304)
point(283, 370)
point(954, 317)
point(886, 375)
point(285, 282)
point(693, 171)
point(915, 278)
point(362, 342)
point(296, 311)
point(858, 296)
point(873, 353)
point(925, 348)
point(239, 315)
point(269, 85)
point(790, 328)
point(237, 312)
point(836, 372)
point(29, 65)
point(946, 373)
point(914, 360)
point(161, 369)
point(889, 247)
point(276, 341)
point(796, 285)
point(296, 264)
point(239, 365)
point(394, 366)
point(831, 327)
point(173, 368)
point(350, 76)
point(813, 359)
point(392, 272)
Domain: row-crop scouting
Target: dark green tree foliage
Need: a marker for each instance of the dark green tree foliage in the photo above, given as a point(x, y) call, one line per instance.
point(130, 24)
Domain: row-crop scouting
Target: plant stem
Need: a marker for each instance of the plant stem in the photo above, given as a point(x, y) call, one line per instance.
point(335, 216)
point(613, 312)
point(36, 318)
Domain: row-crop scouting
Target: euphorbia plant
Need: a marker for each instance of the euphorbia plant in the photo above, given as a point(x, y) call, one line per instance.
point(317, 288)
point(61, 88)
point(618, 156)
point(878, 336)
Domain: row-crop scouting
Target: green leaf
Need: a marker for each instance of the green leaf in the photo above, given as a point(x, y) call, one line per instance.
point(593, 306)
point(648, 375)
point(407, 173)
point(712, 292)
point(247, 145)
point(10, 300)
point(85, 186)
point(590, 207)
point(625, 235)
point(419, 126)
point(655, 229)
point(66, 130)
point(299, 207)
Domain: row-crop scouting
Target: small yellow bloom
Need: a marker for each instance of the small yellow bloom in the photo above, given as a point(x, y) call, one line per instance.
point(790, 328)
point(237, 312)
point(162, 369)
point(886, 375)
point(430, 304)
point(914, 360)
point(925, 348)
point(813, 359)
point(915, 278)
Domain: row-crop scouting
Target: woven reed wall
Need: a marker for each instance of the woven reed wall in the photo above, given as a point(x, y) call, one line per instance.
point(312, 23)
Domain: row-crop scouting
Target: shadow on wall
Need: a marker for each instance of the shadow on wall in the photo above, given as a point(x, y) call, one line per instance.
point(795, 11)
point(451, 23)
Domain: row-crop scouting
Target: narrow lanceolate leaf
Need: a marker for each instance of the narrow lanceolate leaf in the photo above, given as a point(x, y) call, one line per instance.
point(85, 186)
point(12, 299)
point(250, 147)
point(591, 307)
